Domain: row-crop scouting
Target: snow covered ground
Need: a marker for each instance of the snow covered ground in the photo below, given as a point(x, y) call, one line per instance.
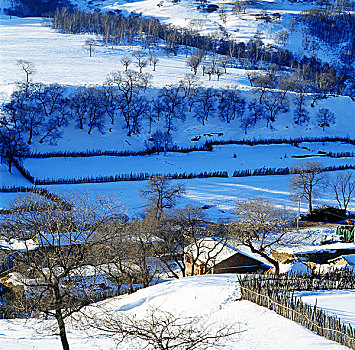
point(214, 298)
point(223, 158)
point(218, 194)
point(60, 58)
point(336, 302)
point(239, 26)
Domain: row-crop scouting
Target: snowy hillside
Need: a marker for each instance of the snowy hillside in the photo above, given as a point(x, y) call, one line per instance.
point(213, 298)
point(63, 59)
point(60, 58)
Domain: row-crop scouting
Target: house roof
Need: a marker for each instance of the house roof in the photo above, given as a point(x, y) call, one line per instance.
point(306, 249)
point(350, 259)
point(17, 245)
point(208, 249)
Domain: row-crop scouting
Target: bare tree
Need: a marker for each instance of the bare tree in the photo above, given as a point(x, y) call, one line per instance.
point(307, 181)
point(325, 118)
point(110, 98)
point(132, 106)
point(202, 241)
point(28, 68)
point(30, 118)
point(264, 83)
point(300, 116)
point(160, 141)
point(252, 76)
point(134, 112)
point(12, 146)
point(126, 61)
point(219, 71)
point(281, 37)
point(94, 109)
point(247, 122)
point(153, 58)
point(189, 82)
point(78, 106)
point(209, 70)
point(194, 61)
point(129, 257)
point(141, 58)
point(65, 231)
point(205, 104)
point(261, 225)
point(343, 186)
point(165, 331)
point(231, 104)
point(275, 102)
point(90, 46)
point(161, 195)
point(173, 105)
point(256, 110)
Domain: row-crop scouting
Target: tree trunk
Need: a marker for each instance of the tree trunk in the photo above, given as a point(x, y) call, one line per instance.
point(60, 320)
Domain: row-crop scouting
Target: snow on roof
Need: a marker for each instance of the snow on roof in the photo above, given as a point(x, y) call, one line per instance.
point(295, 267)
point(18, 245)
point(317, 248)
point(208, 249)
point(350, 259)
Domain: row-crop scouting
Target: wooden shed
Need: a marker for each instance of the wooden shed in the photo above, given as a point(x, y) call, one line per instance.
point(209, 256)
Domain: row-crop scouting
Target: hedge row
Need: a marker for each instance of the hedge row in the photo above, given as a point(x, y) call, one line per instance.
point(128, 177)
point(113, 153)
point(283, 171)
point(37, 190)
point(207, 146)
point(279, 141)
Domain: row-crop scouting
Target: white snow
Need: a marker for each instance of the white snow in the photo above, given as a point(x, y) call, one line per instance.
point(214, 298)
point(60, 58)
point(336, 302)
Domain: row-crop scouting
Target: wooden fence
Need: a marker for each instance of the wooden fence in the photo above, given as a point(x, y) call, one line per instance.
point(285, 304)
point(344, 279)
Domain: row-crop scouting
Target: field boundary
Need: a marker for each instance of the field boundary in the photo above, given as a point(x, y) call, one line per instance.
point(206, 147)
point(287, 305)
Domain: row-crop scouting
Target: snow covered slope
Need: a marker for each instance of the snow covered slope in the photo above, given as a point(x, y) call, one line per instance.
point(214, 298)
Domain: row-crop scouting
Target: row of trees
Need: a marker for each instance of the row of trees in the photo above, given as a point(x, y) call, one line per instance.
point(42, 110)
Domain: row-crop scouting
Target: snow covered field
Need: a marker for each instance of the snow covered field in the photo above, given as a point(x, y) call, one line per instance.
point(223, 158)
point(218, 194)
point(336, 302)
point(212, 297)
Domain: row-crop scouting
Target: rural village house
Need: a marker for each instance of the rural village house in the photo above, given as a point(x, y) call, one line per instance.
point(209, 256)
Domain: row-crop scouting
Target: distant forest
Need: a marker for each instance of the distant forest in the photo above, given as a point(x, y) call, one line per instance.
point(35, 8)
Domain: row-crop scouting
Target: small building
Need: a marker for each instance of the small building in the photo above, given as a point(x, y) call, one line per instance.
point(318, 254)
point(209, 256)
point(348, 260)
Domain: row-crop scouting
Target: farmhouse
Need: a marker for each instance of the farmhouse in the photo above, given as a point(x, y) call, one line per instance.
point(209, 256)
point(348, 260)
